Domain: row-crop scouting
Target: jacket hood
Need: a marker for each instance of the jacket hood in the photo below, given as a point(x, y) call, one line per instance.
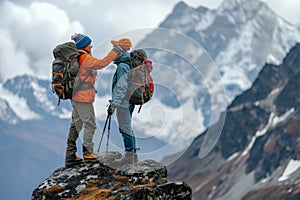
point(125, 57)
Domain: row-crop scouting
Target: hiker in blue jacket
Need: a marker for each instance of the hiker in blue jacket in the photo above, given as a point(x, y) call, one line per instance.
point(123, 107)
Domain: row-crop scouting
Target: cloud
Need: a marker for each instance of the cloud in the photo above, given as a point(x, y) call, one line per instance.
point(84, 3)
point(11, 57)
point(104, 19)
point(289, 10)
point(133, 14)
point(30, 29)
point(28, 35)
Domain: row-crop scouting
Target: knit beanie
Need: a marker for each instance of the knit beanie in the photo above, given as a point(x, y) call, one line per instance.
point(81, 41)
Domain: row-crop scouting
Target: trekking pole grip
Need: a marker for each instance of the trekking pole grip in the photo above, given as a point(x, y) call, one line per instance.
point(110, 109)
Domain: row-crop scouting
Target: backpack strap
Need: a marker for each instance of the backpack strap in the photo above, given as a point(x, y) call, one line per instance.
point(82, 56)
point(83, 85)
point(129, 80)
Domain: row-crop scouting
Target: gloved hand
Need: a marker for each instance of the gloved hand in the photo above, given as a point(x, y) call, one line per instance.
point(111, 109)
point(121, 46)
point(119, 51)
point(125, 43)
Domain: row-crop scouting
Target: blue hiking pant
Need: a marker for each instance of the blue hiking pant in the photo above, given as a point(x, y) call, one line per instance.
point(124, 116)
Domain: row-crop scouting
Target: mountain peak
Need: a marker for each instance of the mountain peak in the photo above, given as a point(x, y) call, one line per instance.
point(181, 5)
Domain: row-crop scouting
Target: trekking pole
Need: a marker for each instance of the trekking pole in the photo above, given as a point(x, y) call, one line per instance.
point(102, 134)
point(140, 108)
point(108, 133)
point(107, 119)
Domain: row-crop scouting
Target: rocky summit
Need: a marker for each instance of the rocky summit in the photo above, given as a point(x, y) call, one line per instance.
point(103, 180)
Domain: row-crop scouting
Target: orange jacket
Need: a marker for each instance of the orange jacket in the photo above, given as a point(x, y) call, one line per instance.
point(87, 66)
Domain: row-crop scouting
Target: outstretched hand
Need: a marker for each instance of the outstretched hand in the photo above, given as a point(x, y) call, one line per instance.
point(125, 43)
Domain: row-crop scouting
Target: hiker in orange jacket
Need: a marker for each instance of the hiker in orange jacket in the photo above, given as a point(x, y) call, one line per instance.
point(83, 115)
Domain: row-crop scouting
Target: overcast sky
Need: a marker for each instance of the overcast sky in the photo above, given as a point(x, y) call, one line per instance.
point(29, 29)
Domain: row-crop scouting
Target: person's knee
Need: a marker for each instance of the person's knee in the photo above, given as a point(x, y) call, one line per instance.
point(90, 125)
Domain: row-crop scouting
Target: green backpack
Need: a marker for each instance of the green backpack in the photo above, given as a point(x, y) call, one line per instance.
point(64, 70)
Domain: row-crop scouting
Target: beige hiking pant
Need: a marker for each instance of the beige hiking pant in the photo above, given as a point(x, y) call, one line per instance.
point(83, 116)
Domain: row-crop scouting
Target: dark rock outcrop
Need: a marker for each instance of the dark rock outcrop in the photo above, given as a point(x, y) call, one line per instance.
point(97, 181)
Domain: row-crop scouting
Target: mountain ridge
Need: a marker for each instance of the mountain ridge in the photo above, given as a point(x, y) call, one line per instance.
point(236, 52)
point(258, 143)
point(237, 72)
point(210, 24)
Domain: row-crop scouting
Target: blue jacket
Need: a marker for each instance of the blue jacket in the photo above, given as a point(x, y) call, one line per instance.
point(120, 82)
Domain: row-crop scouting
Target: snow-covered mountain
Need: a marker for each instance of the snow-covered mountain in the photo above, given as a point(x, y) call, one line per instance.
point(229, 44)
point(258, 153)
point(31, 98)
point(239, 36)
point(7, 114)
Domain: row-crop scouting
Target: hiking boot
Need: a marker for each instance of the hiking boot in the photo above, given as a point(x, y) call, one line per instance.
point(76, 161)
point(128, 158)
point(90, 157)
point(88, 154)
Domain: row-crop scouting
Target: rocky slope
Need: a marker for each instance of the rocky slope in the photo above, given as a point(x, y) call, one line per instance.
point(258, 153)
point(98, 181)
